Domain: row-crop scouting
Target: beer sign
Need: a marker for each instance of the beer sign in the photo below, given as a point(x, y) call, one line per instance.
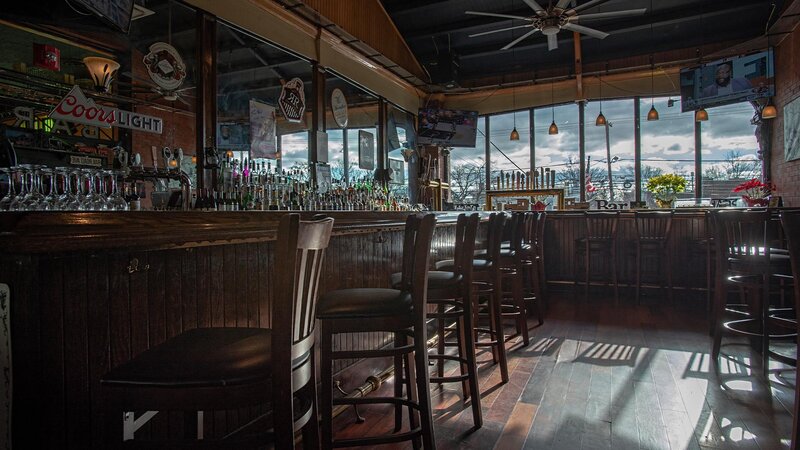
point(293, 100)
point(77, 108)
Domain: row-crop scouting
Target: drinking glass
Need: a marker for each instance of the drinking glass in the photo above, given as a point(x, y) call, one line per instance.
point(76, 200)
point(66, 197)
point(116, 201)
point(33, 197)
point(11, 193)
point(18, 202)
point(50, 201)
point(93, 200)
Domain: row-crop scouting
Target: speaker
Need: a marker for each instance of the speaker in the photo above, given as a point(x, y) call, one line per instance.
point(444, 70)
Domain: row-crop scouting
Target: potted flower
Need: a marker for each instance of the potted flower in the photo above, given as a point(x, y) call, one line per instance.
point(754, 192)
point(665, 188)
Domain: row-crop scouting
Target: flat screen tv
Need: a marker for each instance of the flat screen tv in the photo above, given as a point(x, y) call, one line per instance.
point(116, 12)
point(729, 80)
point(447, 127)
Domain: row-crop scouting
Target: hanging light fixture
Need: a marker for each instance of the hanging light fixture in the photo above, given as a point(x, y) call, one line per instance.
point(601, 119)
point(102, 71)
point(700, 115)
point(653, 113)
point(769, 111)
point(553, 127)
point(514, 133)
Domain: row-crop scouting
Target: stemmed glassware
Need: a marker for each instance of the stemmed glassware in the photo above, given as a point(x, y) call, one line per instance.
point(11, 193)
point(18, 202)
point(116, 201)
point(50, 201)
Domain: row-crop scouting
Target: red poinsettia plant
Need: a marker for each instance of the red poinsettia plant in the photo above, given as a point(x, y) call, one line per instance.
point(755, 189)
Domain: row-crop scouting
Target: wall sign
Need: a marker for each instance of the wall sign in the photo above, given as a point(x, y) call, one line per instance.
point(165, 66)
point(75, 107)
point(85, 161)
point(339, 107)
point(293, 100)
point(263, 143)
point(366, 150)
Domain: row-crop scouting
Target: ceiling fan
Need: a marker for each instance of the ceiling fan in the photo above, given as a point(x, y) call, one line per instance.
point(141, 86)
point(555, 18)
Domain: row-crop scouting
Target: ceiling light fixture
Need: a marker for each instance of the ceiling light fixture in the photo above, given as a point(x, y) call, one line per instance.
point(553, 127)
point(700, 115)
point(601, 119)
point(653, 113)
point(514, 133)
point(102, 71)
point(769, 111)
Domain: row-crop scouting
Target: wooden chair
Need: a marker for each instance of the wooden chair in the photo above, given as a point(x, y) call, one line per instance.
point(451, 293)
point(532, 250)
point(653, 229)
point(229, 368)
point(601, 237)
point(791, 228)
point(487, 282)
point(399, 311)
point(746, 258)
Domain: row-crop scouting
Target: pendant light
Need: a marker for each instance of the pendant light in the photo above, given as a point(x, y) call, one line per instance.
point(553, 127)
point(700, 115)
point(652, 114)
point(769, 111)
point(601, 119)
point(514, 133)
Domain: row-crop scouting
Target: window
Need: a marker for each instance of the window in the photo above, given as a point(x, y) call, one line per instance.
point(614, 143)
point(730, 150)
point(559, 152)
point(468, 172)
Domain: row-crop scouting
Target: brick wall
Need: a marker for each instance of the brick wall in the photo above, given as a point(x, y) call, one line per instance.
point(786, 174)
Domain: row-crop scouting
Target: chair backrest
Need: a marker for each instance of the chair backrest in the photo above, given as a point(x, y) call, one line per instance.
point(601, 224)
point(416, 255)
point(516, 225)
point(494, 236)
point(466, 230)
point(791, 229)
point(300, 251)
point(651, 225)
point(541, 218)
point(741, 235)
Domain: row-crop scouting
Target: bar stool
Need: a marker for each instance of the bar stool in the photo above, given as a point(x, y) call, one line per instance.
point(653, 229)
point(399, 311)
point(791, 228)
point(745, 258)
point(229, 368)
point(536, 241)
point(533, 260)
point(451, 293)
point(512, 272)
point(600, 237)
point(487, 280)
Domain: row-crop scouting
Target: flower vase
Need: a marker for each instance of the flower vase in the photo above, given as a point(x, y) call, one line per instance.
point(755, 202)
point(664, 203)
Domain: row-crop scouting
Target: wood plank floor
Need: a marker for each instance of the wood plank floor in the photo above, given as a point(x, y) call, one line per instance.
point(600, 376)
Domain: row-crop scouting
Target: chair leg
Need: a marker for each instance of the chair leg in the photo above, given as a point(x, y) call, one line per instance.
point(587, 272)
point(718, 313)
point(519, 301)
point(764, 312)
point(400, 378)
point(495, 315)
point(326, 375)
point(614, 272)
point(423, 387)
point(412, 374)
point(462, 353)
point(440, 344)
point(472, 368)
point(668, 262)
point(638, 273)
point(311, 430)
point(542, 283)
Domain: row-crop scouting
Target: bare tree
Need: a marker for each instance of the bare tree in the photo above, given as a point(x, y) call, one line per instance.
point(467, 180)
point(736, 167)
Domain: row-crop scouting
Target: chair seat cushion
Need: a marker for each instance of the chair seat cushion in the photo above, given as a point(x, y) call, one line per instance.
point(437, 279)
point(364, 302)
point(504, 253)
point(448, 265)
point(202, 357)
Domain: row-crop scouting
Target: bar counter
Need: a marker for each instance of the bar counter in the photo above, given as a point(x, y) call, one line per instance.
point(90, 290)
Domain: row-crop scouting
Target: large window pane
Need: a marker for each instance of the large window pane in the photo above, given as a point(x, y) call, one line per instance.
point(468, 172)
point(730, 150)
point(400, 136)
point(507, 155)
point(612, 142)
point(559, 152)
point(668, 143)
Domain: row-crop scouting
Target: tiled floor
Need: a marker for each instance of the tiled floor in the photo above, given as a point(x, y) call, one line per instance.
point(600, 376)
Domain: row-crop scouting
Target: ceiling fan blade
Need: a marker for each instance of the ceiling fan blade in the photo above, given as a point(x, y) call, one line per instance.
point(585, 30)
point(588, 4)
point(608, 15)
point(552, 42)
point(498, 31)
point(562, 4)
point(517, 40)
point(535, 6)
point(505, 16)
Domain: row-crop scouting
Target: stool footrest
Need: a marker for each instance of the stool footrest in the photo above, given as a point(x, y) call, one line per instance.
point(378, 440)
point(379, 353)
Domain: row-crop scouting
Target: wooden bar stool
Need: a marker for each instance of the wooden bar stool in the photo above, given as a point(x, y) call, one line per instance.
point(535, 241)
point(399, 311)
point(451, 293)
point(229, 368)
point(600, 238)
point(745, 258)
point(653, 229)
point(487, 294)
point(791, 228)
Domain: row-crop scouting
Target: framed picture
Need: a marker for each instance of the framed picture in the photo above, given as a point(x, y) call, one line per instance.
point(791, 130)
point(366, 150)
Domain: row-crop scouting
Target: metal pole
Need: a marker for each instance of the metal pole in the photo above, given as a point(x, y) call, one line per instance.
point(608, 163)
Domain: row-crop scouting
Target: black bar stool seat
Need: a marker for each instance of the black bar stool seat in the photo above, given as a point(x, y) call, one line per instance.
point(448, 265)
point(437, 279)
point(364, 302)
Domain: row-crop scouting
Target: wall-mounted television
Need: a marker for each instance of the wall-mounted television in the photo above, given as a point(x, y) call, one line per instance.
point(447, 127)
point(116, 12)
point(729, 80)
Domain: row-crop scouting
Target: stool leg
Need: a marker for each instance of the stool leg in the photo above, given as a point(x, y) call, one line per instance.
point(400, 378)
point(440, 342)
point(326, 374)
point(412, 374)
point(614, 272)
point(495, 315)
point(764, 301)
point(311, 430)
point(718, 315)
point(668, 262)
point(462, 353)
point(638, 272)
point(586, 268)
point(472, 369)
point(423, 386)
point(519, 301)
